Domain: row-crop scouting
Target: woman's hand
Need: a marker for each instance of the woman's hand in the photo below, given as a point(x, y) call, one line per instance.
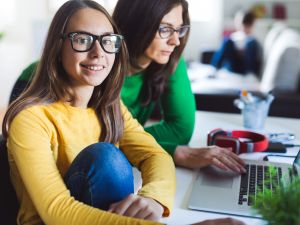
point(223, 221)
point(138, 207)
point(223, 158)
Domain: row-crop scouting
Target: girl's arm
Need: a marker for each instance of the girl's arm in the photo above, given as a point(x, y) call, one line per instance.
point(156, 165)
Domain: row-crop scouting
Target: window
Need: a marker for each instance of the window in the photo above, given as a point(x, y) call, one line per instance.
point(201, 11)
point(7, 13)
point(107, 4)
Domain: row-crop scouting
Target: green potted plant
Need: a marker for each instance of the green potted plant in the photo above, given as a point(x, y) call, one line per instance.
point(281, 207)
point(1, 35)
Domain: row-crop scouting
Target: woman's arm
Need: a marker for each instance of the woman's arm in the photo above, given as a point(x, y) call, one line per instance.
point(195, 158)
point(178, 111)
point(175, 130)
point(23, 81)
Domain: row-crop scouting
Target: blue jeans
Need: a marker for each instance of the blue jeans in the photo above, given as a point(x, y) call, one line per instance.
point(243, 62)
point(100, 175)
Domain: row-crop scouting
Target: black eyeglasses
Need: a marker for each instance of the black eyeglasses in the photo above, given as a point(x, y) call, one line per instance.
point(166, 32)
point(83, 42)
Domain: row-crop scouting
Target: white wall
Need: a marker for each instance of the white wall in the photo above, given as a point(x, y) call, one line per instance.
point(17, 48)
point(27, 13)
point(205, 34)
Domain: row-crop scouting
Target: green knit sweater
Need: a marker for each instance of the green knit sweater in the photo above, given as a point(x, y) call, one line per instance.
point(177, 106)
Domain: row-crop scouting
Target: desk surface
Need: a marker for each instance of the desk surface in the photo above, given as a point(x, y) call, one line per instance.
point(206, 121)
point(216, 93)
point(205, 78)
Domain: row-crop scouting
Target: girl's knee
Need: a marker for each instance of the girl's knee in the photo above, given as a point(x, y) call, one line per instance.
point(108, 159)
point(107, 174)
point(106, 153)
point(102, 158)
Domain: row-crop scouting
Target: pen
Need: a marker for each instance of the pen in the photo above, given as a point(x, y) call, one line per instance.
point(286, 156)
point(246, 97)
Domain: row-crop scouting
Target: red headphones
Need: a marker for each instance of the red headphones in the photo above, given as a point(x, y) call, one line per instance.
point(240, 141)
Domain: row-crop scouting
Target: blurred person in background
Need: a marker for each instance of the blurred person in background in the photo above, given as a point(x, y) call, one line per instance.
point(240, 52)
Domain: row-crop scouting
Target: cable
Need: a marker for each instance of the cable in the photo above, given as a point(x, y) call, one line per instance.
point(291, 145)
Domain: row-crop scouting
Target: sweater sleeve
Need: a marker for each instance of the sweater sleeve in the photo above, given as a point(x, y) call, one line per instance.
point(178, 109)
point(32, 161)
point(156, 166)
point(28, 72)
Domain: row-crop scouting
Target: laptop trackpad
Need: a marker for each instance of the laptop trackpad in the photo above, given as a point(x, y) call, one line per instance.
point(212, 176)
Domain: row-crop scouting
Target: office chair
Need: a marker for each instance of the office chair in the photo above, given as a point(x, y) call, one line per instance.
point(282, 69)
point(17, 90)
point(276, 29)
point(8, 204)
point(206, 56)
point(22, 82)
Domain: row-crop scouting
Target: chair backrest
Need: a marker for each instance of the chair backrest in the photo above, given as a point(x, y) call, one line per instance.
point(8, 203)
point(206, 56)
point(275, 31)
point(282, 69)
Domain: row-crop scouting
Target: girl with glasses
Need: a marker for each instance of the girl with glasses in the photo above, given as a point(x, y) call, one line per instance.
point(71, 142)
point(156, 33)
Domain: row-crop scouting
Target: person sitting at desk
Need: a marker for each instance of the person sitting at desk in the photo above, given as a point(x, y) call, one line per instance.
point(240, 52)
point(158, 74)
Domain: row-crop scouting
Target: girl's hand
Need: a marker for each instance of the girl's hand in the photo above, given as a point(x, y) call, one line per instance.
point(223, 158)
point(138, 207)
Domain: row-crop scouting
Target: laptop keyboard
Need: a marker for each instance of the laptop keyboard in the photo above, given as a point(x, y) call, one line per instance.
point(257, 178)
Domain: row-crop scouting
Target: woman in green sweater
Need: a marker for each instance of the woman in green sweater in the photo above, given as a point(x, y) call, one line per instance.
point(158, 75)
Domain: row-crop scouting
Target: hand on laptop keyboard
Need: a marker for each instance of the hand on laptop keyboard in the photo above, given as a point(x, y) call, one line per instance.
point(222, 158)
point(223, 221)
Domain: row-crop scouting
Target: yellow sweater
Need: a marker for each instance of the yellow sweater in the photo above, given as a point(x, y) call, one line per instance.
point(44, 140)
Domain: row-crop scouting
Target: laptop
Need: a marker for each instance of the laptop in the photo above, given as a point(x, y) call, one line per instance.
point(219, 191)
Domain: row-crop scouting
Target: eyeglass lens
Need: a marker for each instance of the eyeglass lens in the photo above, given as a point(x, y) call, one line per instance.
point(166, 32)
point(84, 42)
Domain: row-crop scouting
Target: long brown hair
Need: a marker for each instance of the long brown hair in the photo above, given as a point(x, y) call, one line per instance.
point(138, 21)
point(50, 82)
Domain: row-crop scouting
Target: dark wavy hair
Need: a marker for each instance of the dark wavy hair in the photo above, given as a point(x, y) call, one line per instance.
point(138, 21)
point(51, 84)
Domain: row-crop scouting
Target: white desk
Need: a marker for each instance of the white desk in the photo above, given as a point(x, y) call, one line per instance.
point(216, 93)
point(205, 78)
point(206, 121)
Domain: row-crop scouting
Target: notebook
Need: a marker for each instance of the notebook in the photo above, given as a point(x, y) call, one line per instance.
point(219, 191)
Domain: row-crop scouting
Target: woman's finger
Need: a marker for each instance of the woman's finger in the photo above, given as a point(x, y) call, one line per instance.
point(231, 164)
point(216, 162)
